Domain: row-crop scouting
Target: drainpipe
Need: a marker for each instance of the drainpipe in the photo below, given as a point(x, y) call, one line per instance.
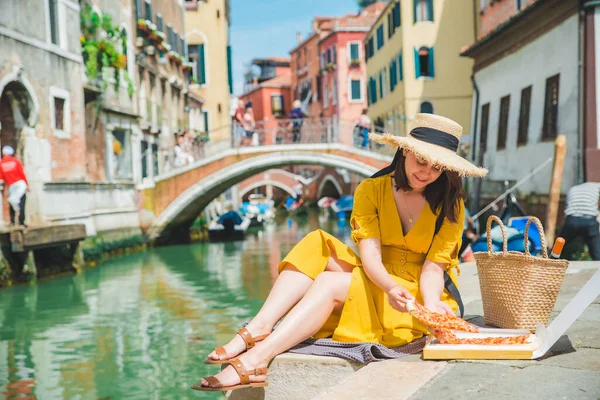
point(581, 82)
point(474, 153)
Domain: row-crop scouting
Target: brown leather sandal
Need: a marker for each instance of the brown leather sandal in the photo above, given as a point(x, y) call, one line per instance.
point(214, 385)
point(248, 339)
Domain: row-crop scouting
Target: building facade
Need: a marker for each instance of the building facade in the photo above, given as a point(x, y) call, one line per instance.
point(413, 62)
point(526, 72)
point(268, 91)
point(207, 33)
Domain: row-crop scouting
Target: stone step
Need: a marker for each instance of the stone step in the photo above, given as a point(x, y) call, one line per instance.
point(391, 379)
point(299, 377)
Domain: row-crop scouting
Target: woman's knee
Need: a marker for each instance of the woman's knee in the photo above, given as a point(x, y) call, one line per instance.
point(335, 283)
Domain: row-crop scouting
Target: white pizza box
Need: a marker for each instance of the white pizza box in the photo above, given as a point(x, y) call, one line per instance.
point(537, 344)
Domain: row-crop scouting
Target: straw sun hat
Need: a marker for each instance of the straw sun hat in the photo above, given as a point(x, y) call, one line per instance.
point(434, 139)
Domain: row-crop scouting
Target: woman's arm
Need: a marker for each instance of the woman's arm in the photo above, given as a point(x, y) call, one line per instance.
point(370, 255)
point(432, 287)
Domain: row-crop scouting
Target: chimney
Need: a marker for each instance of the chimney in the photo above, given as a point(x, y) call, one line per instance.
point(299, 37)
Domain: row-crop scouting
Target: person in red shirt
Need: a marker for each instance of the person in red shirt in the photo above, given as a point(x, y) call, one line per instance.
point(11, 172)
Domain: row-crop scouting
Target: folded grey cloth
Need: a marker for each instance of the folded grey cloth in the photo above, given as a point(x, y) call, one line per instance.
point(360, 352)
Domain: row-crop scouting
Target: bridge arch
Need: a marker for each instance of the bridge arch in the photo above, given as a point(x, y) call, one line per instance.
point(173, 223)
point(266, 182)
point(331, 180)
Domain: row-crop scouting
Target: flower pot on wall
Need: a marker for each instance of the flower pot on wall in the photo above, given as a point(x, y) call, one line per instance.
point(150, 50)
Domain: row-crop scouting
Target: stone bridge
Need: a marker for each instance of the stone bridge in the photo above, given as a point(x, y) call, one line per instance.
point(328, 182)
point(177, 198)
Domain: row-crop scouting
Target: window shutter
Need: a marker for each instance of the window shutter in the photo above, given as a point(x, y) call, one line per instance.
point(430, 9)
point(201, 65)
point(229, 70)
point(390, 25)
point(431, 65)
point(417, 64)
point(400, 69)
point(415, 5)
point(397, 15)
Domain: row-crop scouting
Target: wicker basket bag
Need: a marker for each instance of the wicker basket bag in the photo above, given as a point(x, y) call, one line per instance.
point(518, 290)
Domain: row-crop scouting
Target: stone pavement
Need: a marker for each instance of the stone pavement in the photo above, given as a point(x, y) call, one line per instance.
point(570, 370)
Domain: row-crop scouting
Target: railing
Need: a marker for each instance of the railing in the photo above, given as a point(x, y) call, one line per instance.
point(273, 132)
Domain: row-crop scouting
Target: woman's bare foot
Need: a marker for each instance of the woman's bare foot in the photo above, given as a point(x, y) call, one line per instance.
point(229, 376)
point(237, 344)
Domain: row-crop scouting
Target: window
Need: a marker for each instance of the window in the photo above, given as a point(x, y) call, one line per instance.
point(159, 22)
point(139, 11)
point(370, 47)
point(354, 51)
point(524, 116)
point(549, 128)
point(148, 10)
point(519, 4)
point(322, 60)
point(400, 69)
point(390, 25)
point(426, 107)
point(175, 44)
point(277, 105)
point(381, 84)
point(59, 114)
point(334, 93)
point(53, 14)
point(373, 90)
point(329, 56)
point(229, 70)
point(155, 163)
point(355, 90)
point(121, 162)
point(393, 75)
point(206, 122)
point(182, 45)
point(380, 37)
point(424, 66)
point(396, 15)
point(325, 95)
point(334, 51)
point(60, 120)
point(144, 162)
point(170, 35)
point(423, 10)
point(196, 57)
point(485, 116)
point(503, 122)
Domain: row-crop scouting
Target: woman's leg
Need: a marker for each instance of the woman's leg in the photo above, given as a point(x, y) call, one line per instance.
point(290, 286)
point(327, 293)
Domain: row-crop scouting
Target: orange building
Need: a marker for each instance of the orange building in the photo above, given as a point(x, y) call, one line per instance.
point(267, 88)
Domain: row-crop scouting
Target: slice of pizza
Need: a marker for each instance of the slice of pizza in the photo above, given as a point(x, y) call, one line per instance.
point(437, 320)
point(446, 336)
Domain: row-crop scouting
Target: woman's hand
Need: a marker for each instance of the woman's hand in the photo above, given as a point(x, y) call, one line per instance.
point(439, 307)
point(398, 296)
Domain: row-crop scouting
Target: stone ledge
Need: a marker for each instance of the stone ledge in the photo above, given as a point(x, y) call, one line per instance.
point(390, 379)
point(299, 377)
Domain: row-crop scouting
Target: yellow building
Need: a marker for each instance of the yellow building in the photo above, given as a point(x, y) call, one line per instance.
point(207, 35)
point(414, 63)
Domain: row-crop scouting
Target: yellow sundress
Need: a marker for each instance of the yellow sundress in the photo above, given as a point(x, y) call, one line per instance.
point(367, 316)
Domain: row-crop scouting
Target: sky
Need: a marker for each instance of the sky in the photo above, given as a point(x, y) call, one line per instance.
point(267, 28)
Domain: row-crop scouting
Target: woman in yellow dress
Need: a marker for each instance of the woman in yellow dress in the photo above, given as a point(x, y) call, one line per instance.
point(407, 221)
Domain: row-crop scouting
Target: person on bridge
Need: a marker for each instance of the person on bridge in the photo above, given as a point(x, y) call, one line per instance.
point(297, 116)
point(407, 220)
point(364, 123)
point(13, 175)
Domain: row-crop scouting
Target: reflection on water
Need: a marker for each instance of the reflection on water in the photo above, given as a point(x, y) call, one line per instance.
point(141, 326)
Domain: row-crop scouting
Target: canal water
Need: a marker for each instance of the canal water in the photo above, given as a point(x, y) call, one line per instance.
point(139, 327)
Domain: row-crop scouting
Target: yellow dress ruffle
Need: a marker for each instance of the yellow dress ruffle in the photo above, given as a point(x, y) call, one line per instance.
point(367, 316)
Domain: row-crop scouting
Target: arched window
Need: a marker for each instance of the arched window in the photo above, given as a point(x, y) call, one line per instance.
point(426, 107)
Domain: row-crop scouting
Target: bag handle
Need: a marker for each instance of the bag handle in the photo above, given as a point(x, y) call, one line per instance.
point(537, 223)
point(489, 236)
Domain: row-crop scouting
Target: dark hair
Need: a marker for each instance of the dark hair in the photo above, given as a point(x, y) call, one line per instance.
point(446, 191)
point(365, 110)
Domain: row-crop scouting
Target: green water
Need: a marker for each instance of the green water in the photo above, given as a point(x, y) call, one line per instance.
point(139, 327)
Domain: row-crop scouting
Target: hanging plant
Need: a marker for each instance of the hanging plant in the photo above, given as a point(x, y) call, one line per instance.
point(103, 46)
